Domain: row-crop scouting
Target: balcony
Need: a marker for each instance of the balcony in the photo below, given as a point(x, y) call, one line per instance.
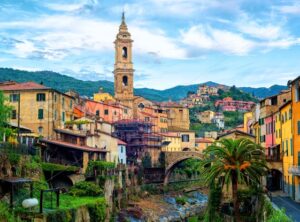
point(273, 154)
point(295, 170)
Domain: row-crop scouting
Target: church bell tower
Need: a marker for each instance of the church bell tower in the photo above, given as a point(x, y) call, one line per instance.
point(123, 68)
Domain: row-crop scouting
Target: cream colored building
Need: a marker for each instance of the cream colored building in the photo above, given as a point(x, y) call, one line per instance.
point(38, 107)
point(171, 141)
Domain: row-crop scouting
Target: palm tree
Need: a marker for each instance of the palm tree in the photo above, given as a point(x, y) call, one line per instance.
point(234, 162)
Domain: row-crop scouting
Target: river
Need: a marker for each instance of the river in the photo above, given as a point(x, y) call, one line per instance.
point(166, 207)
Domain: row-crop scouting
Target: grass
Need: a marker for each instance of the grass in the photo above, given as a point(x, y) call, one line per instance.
point(69, 202)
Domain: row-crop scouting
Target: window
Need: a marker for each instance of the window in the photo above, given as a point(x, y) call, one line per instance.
point(291, 145)
point(71, 104)
point(141, 106)
point(147, 119)
point(40, 97)
point(121, 149)
point(290, 114)
point(297, 88)
point(115, 113)
point(185, 138)
point(14, 97)
point(97, 112)
point(63, 116)
point(106, 112)
point(125, 111)
point(41, 114)
point(55, 97)
point(14, 114)
point(124, 53)
point(55, 114)
point(298, 124)
point(287, 147)
point(63, 102)
point(285, 116)
point(40, 130)
point(125, 81)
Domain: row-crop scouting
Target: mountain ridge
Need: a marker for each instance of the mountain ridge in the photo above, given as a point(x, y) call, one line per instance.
point(64, 83)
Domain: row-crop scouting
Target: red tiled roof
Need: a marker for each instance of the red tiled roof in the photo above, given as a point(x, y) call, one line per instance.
point(170, 134)
point(21, 86)
point(202, 140)
point(73, 146)
point(120, 142)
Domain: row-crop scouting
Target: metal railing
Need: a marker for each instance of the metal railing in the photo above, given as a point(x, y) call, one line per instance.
point(18, 149)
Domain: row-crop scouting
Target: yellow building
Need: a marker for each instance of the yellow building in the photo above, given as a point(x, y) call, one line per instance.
point(286, 146)
point(206, 116)
point(103, 96)
point(248, 119)
point(171, 141)
point(37, 107)
point(295, 168)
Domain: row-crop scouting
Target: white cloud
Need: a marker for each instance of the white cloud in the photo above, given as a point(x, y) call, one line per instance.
point(72, 7)
point(217, 40)
point(290, 9)
point(64, 35)
point(265, 31)
point(24, 49)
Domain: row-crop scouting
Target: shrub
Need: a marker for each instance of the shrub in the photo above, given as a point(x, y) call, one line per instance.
point(85, 188)
point(97, 211)
point(14, 158)
point(181, 200)
point(52, 167)
point(278, 216)
point(5, 215)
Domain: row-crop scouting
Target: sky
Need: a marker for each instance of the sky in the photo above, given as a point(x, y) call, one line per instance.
point(176, 42)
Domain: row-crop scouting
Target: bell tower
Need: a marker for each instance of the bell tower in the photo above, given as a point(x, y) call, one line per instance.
point(123, 68)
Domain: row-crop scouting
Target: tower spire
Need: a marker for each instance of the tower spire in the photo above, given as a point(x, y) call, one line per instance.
point(123, 16)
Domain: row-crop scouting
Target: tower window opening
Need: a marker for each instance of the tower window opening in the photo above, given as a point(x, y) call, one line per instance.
point(125, 81)
point(124, 52)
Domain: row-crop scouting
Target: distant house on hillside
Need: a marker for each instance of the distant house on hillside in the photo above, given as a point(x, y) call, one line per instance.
point(228, 104)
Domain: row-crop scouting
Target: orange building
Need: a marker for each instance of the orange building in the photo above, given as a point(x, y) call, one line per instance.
point(109, 112)
point(295, 151)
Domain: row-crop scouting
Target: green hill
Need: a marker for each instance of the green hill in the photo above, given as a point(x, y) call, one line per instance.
point(88, 88)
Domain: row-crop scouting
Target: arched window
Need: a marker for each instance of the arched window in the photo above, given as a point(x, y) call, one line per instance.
point(125, 81)
point(124, 52)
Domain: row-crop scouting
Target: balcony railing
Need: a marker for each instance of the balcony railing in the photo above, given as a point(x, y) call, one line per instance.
point(274, 158)
point(295, 170)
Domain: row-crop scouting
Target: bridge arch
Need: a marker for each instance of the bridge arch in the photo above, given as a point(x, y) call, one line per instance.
point(174, 158)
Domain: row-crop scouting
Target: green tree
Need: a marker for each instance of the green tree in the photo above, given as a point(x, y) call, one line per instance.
point(5, 112)
point(234, 162)
point(146, 161)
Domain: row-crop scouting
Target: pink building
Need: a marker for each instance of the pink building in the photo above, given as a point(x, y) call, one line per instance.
point(108, 112)
point(228, 104)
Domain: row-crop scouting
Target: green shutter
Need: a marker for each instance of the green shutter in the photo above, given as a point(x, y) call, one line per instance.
point(63, 116)
point(41, 114)
point(287, 147)
point(292, 149)
point(298, 127)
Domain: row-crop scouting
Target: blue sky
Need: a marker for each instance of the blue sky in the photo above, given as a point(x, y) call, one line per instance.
point(176, 42)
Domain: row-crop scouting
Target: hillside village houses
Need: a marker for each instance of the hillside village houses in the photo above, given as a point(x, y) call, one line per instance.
point(201, 96)
point(75, 129)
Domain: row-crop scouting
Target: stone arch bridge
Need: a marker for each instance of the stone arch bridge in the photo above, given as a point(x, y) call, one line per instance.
point(172, 159)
